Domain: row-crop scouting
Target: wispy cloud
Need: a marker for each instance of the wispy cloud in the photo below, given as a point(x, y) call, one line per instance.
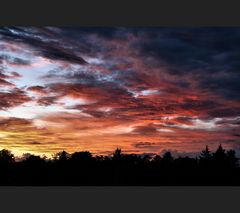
point(141, 89)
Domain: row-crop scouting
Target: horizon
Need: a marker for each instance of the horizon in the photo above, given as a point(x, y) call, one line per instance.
point(175, 154)
point(144, 90)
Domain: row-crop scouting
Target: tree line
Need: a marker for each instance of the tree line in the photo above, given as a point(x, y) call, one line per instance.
point(83, 169)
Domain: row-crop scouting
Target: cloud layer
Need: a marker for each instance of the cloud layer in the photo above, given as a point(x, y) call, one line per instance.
point(142, 89)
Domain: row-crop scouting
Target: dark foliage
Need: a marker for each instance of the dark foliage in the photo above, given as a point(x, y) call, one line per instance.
point(81, 168)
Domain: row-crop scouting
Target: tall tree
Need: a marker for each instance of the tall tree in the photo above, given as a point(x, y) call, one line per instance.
point(6, 156)
point(206, 154)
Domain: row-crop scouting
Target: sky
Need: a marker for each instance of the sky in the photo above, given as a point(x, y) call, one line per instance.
point(144, 90)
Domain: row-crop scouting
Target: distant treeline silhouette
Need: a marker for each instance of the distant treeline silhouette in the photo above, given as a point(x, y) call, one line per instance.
point(83, 169)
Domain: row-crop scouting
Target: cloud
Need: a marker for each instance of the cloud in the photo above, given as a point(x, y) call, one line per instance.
point(35, 143)
point(41, 43)
point(13, 98)
point(209, 55)
point(14, 60)
point(5, 83)
point(143, 144)
point(230, 121)
point(225, 111)
point(145, 130)
point(15, 75)
point(99, 88)
point(8, 122)
point(38, 89)
point(226, 85)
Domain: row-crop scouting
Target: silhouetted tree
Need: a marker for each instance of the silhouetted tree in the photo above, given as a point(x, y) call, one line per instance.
point(81, 168)
point(167, 156)
point(117, 154)
point(146, 158)
point(157, 158)
point(206, 154)
point(99, 158)
point(220, 159)
point(81, 156)
point(205, 158)
point(167, 160)
point(82, 159)
point(6, 157)
point(34, 160)
point(220, 154)
point(232, 160)
point(61, 156)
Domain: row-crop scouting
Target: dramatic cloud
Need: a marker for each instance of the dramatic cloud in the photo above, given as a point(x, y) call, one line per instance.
point(12, 98)
point(43, 42)
point(145, 90)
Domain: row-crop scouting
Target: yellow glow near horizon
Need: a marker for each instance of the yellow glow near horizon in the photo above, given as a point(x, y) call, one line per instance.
point(3, 134)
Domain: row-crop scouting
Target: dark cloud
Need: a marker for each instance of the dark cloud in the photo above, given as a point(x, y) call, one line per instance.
point(12, 123)
point(105, 32)
point(226, 85)
point(2, 74)
point(14, 60)
point(13, 98)
point(41, 42)
point(5, 83)
point(7, 76)
point(194, 49)
point(184, 120)
point(145, 130)
point(144, 145)
point(38, 89)
point(15, 75)
point(35, 143)
point(48, 100)
point(193, 73)
point(211, 54)
point(226, 111)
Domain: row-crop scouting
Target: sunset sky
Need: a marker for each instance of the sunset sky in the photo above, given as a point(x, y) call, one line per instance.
point(145, 90)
